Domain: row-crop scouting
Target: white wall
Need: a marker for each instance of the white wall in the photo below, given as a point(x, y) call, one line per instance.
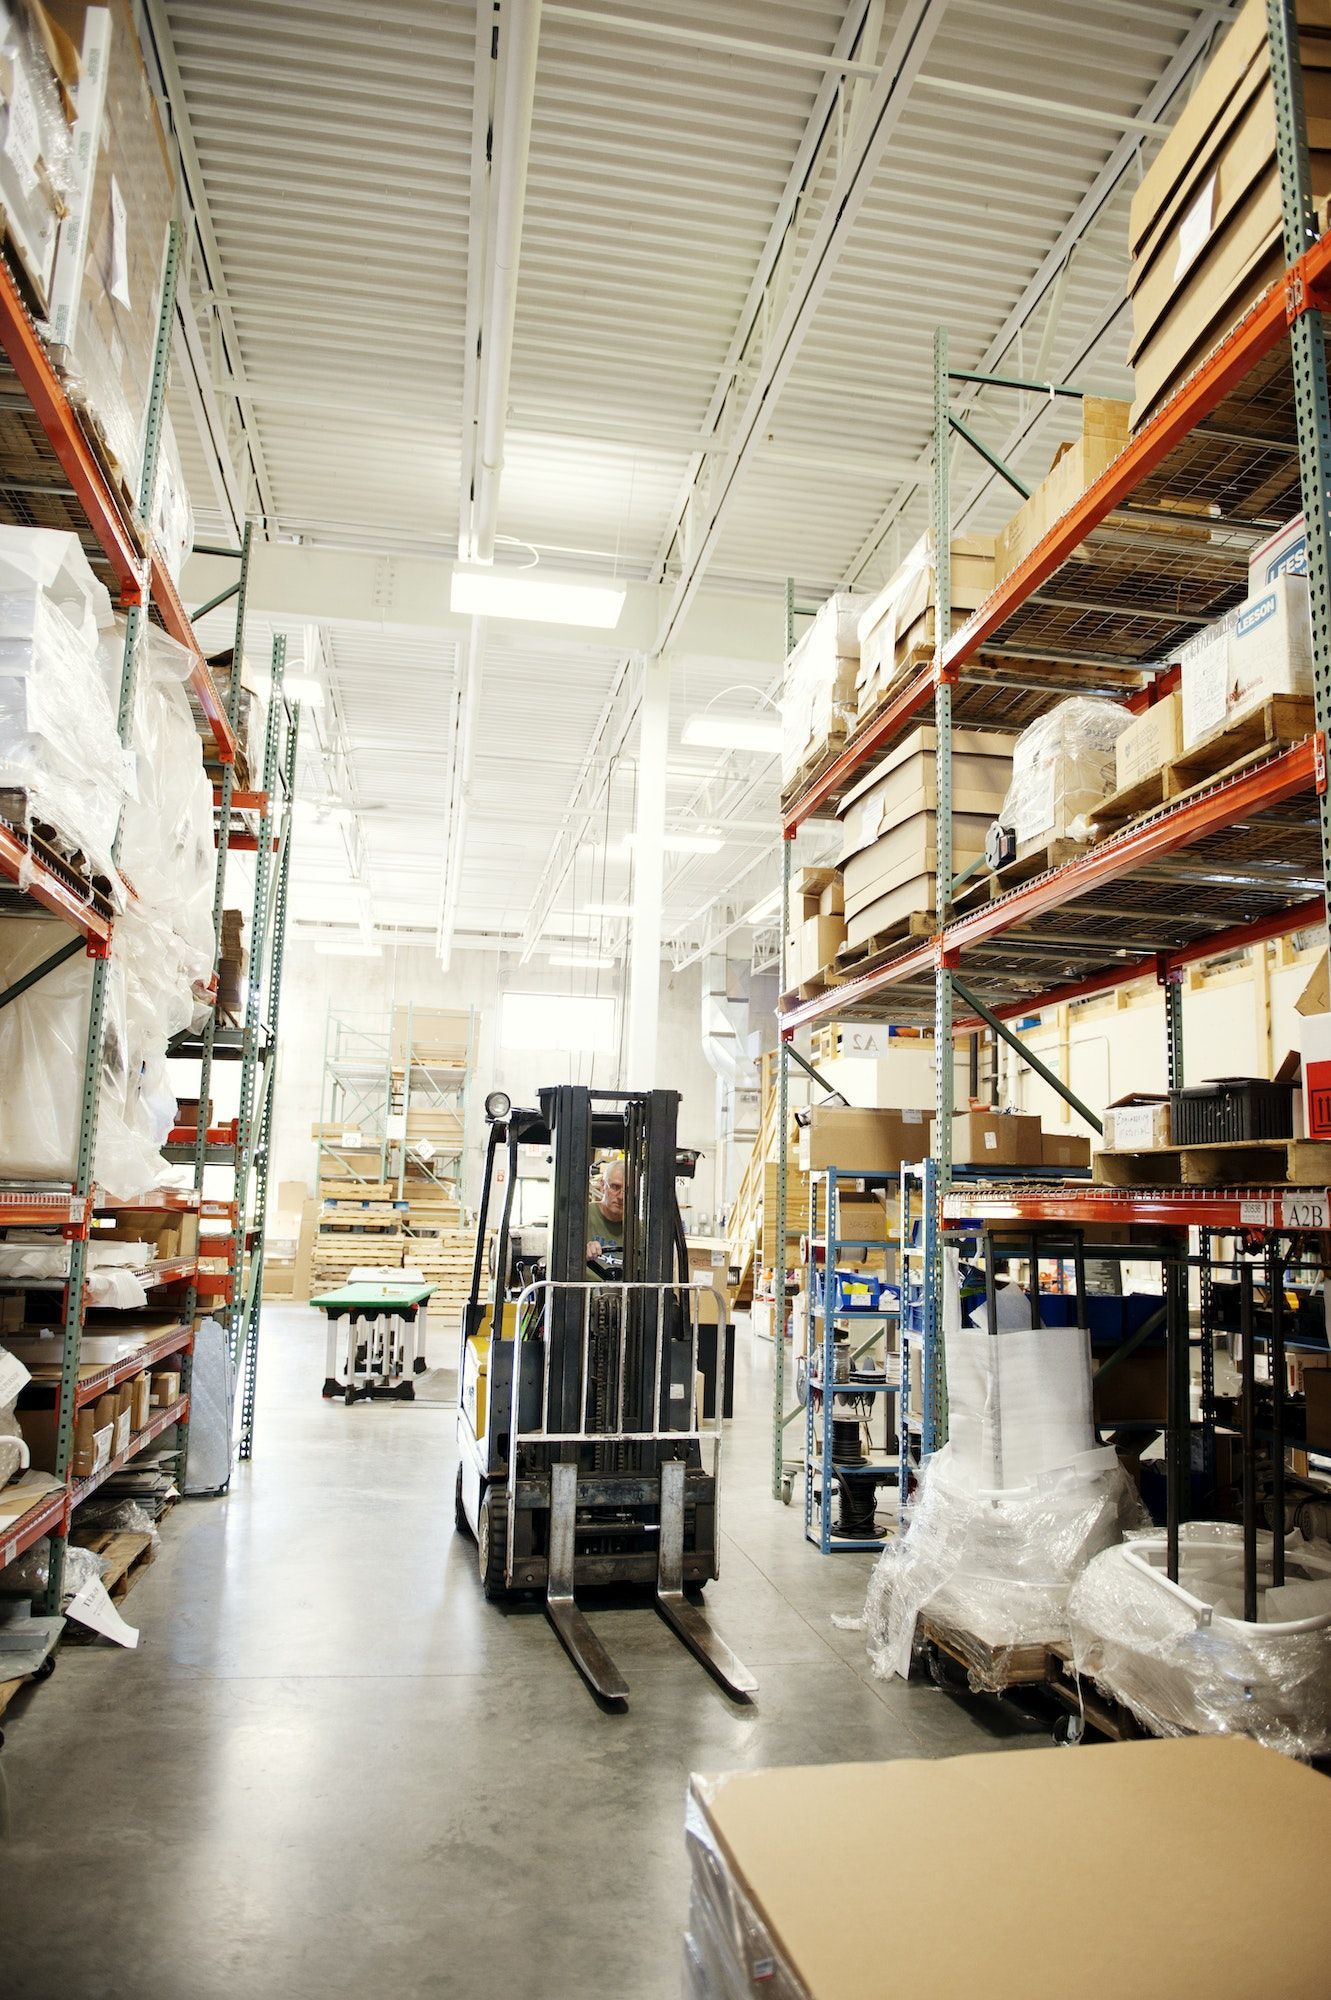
point(313, 986)
point(1117, 1044)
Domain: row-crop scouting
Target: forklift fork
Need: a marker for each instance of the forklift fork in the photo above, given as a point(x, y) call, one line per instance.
point(686, 1620)
point(575, 1634)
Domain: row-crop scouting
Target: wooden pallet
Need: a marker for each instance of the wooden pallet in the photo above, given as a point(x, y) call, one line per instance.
point(344, 1190)
point(884, 945)
point(990, 1669)
point(1285, 719)
point(989, 886)
point(127, 1553)
point(1232, 1163)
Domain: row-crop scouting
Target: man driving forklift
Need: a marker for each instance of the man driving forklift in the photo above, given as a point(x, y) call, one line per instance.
point(607, 1214)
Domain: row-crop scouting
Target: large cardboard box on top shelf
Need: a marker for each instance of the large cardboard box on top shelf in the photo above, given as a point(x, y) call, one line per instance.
point(901, 621)
point(1258, 651)
point(818, 686)
point(1150, 741)
point(1205, 235)
point(39, 76)
point(865, 1142)
point(817, 926)
point(1077, 464)
point(107, 287)
point(889, 827)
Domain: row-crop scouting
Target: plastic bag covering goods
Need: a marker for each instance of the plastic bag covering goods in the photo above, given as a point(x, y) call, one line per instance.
point(1182, 1657)
point(212, 1396)
point(1062, 768)
point(58, 743)
point(162, 950)
point(1009, 1512)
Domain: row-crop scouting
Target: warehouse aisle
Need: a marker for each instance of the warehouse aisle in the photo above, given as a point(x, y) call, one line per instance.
point(332, 1770)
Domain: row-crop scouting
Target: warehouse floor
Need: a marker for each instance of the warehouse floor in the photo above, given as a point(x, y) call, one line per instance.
point(331, 1769)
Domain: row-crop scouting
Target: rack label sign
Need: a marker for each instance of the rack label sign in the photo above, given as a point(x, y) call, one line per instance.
point(1255, 1214)
point(1304, 1211)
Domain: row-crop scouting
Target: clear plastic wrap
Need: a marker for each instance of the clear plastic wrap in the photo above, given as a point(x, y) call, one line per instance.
point(1009, 1512)
point(818, 688)
point(14, 1454)
point(211, 1403)
point(36, 147)
point(32, 1571)
point(60, 756)
point(728, 1949)
point(1062, 770)
point(1182, 1657)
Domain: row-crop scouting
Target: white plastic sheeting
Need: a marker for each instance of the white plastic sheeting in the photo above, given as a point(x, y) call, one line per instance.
point(1009, 1511)
point(1062, 768)
point(58, 743)
point(1181, 1655)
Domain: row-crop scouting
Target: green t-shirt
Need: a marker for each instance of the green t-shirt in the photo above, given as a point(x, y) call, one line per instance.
point(601, 1229)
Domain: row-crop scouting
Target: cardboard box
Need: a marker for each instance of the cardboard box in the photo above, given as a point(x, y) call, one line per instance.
point(1077, 465)
point(1136, 1123)
point(1064, 1149)
point(865, 1142)
point(165, 1388)
point(1317, 1394)
point(107, 286)
point(993, 1139)
point(1205, 224)
point(900, 620)
point(818, 686)
point(1262, 649)
point(1150, 741)
point(985, 1831)
point(1284, 554)
point(812, 948)
point(1316, 995)
point(140, 1401)
point(905, 784)
point(94, 1437)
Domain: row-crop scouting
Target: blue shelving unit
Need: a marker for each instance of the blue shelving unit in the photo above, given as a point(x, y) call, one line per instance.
point(823, 1315)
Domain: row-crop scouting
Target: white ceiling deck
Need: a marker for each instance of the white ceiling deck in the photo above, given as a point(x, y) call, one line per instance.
point(328, 150)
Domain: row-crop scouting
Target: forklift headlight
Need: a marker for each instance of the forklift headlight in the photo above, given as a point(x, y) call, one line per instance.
point(498, 1104)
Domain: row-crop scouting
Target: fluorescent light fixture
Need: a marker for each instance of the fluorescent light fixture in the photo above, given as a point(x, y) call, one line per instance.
point(573, 958)
point(604, 910)
point(526, 594)
point(352, 948)
point(714, 729)
point(765, 907)
point(683, 843)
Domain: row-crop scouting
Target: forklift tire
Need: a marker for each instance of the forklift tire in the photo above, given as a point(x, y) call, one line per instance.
point(460, 1521)
point(491, 1540)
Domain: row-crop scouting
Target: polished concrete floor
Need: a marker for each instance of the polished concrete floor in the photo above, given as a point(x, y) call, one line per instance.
point(330, 1769)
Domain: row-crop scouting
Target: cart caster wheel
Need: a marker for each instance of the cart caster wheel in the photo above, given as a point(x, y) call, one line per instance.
point(787, 1488)
point(332, 1387)
point(420, 1364)
point(1069, 1730)
point(460, 1521)
point(46, 1669)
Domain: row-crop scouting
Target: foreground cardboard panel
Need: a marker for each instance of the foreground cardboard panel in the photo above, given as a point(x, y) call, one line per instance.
point(1096, 1873)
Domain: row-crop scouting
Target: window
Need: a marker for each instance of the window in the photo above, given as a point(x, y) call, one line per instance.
point(577, 1024)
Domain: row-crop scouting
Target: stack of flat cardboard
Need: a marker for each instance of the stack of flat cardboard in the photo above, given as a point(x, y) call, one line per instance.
point(901, 622)
point(1205, 231)
point(889, 831)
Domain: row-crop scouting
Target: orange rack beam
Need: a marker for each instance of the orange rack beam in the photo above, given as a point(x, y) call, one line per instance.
point(1234, 1209)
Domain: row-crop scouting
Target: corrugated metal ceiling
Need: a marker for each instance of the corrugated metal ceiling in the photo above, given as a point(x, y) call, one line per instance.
point(334, 144)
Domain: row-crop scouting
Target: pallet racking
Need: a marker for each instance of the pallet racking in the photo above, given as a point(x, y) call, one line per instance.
point(54, 457)
point(1239, 860)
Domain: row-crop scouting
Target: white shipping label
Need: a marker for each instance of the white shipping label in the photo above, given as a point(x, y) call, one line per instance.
point(118, 280)
point(1134, 1126)
point(912, 1118)
point(13, 1375)
point(23, 139)
point(350, 1138)
point(1304, 1211)
point(991, 1141)
point(93, 1607)
point(1205, 685)
point(1195, 230)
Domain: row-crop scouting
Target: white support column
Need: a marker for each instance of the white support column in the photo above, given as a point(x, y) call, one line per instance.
point(648, 872)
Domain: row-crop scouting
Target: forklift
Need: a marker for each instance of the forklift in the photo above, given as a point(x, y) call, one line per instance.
point(584, 1460)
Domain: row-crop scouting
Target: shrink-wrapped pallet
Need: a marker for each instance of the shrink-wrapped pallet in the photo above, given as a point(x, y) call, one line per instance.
point(818, 690)
point(61, 765)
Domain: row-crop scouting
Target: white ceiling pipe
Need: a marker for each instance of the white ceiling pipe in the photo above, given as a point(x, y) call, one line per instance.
point(519, 31)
